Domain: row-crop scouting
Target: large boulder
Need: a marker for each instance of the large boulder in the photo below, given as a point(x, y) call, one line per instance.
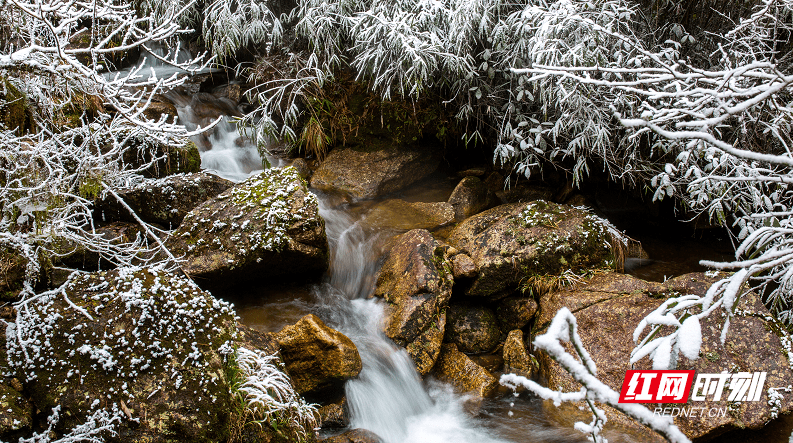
point(514, 242)
point(319, 359)
point(265, 227)
point(400, 214)
point(165, 201)
point(462, 373)
point(373, 170)
point(609, 307)
point(473, 329)
point(416, 282)
point(143, 345)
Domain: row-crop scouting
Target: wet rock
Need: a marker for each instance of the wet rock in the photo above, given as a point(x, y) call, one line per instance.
point(516, 358)
point(231, 91)
point(463, 267)
point(148, 341)
point(513, 242)
point(354, 436)
point(169, 159)
point(400, 214)
point(164, 201)
point(515, 312)
point(609, 308)
point(334, 415)
point(317, 357)
point(468, 198)
point(373, 171)
point(250, 338)
point(460, 371)
point(265, 227)
point(473, 329)
point(416, 282)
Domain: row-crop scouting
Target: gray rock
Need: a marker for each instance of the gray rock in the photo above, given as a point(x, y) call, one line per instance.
point(473, 329)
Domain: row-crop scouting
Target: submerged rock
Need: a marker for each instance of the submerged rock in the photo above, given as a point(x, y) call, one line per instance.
point(317, 357)
point(134, 344)
point(400, 214)
point(464, 374)
point(610, 306)
point(165, 201)
point(373, 171)
point(265, 227)
point(511, 243)
point(472, 328)
point(416, 282)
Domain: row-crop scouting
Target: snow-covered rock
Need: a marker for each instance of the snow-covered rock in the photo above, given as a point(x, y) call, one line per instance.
point(513, 242)
point(265, 227)
point(142, 345)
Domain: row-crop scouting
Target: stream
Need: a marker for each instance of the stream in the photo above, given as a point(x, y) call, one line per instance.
point(389, 397)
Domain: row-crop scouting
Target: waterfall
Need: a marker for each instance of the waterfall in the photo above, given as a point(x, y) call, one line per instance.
point(388, 397)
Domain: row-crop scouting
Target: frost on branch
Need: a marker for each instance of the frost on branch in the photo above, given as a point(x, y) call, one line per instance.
point(582, 368)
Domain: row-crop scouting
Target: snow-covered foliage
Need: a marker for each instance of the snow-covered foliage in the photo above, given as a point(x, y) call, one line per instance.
point(86, 123)
point(582, 368)
point(97, 426)
point(269, 395)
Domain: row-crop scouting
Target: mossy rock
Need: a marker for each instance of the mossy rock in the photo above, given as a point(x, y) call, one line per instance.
point(265, 227)
point(15, 113)
point(143, 345)
point(12, 274)
point(610, 306)
point(514, 243)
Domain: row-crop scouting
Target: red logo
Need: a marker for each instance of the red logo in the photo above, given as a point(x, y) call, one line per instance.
point(656, 386)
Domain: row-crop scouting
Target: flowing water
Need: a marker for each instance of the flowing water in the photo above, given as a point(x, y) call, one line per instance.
point(388, 398)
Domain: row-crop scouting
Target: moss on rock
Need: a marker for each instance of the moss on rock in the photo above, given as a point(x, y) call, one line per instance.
point(143, 344)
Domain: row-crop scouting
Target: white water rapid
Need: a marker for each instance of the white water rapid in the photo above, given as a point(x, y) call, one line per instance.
point(388, 397)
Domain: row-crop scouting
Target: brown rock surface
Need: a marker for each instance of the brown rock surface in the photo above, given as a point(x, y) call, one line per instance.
point(468, 198)
point(317, 357)
point(460, 371)
point(515, 312)
point(609, 307)
point(416, 282)
point(512, 242)
point(516, 357)
point(368, 173)
point(400, 214)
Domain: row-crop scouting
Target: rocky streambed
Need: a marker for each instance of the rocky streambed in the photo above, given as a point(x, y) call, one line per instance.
point(391, 294)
